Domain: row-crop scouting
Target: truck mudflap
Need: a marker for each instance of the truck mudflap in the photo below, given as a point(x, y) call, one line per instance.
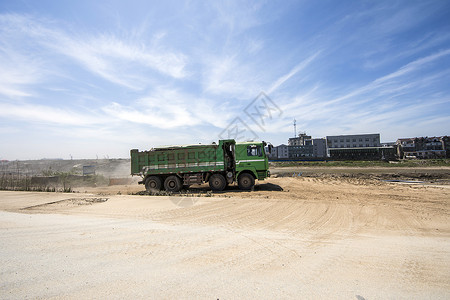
point(143, 179)
point(262, 174)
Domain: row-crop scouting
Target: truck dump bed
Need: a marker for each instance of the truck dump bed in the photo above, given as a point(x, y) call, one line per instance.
point(178, 159)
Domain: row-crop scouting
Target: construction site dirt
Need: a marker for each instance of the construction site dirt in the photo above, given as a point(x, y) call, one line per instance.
point(303, 233)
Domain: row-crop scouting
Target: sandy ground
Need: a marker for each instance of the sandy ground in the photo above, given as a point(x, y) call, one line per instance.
point(300, 237)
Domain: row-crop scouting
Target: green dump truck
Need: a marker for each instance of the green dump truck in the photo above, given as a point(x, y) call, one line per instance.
point(227, 162)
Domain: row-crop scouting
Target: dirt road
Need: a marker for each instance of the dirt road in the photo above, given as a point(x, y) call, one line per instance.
point(290, 238)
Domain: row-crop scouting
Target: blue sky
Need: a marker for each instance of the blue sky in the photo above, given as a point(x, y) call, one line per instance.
point(97, 78)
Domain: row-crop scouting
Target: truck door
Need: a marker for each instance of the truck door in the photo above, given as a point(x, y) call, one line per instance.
point(255, 157)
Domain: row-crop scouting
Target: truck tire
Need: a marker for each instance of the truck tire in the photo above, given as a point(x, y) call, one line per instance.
point(172, 184)
point(217, 182)
point(246, 181)
point(153, 184)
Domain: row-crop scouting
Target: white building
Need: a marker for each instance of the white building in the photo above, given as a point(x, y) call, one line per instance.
point(282, 151)
point(273, 154)
point(353, 141)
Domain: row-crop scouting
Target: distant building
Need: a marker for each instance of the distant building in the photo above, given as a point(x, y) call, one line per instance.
point(300, 151)
point(363, 153)
point(424, 147)
point(273, 154)
point(362, 147)
point(282, 151)
point(309, 148)
point(301, 147)
point(353, 141)
point(359, 147)
point(405, 145)
point(319, 147)
point(446, 141)
point(301, 140)
point(304, 146)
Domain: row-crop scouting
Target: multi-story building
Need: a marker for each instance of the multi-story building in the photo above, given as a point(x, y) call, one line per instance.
point(300, 147)
point(300, 151)
point(319, 147)
point(304, 146)
point(353, 141)
point(273, 154)
point(301, 140)
point(358, 147)
point(405, 145)
point(423, 147)
point(282, 151)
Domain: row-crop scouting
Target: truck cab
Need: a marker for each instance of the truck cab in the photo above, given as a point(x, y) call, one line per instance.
point(251, 163)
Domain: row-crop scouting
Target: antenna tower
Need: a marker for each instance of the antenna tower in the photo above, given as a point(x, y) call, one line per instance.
point(295, 128)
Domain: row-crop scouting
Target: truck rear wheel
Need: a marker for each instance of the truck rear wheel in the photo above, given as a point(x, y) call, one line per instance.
point(153, 184)
point(217, 182)
point(246, 181)
point(172, 184)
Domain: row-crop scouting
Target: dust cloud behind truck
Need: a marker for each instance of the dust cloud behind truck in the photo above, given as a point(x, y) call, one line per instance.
point(175, 167)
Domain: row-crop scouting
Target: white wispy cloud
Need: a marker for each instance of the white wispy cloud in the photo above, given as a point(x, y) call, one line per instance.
point(34, 113)
point(378, 85)
point(167, 116)
point(299, 67)
point(237, 16)
point(254, 45)
point(229, 62)
point(412, 66)
point(420, 45)
point(121, 61)
point(18, 72)
point(168, 108)
point(230, 76)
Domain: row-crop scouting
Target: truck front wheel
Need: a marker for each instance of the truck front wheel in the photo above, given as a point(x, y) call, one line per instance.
point(172, 184)
point(246, 181)
point(217, 182)
point(153, 184)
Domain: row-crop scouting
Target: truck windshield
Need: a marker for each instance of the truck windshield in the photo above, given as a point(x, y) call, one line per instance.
point(254, 150)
